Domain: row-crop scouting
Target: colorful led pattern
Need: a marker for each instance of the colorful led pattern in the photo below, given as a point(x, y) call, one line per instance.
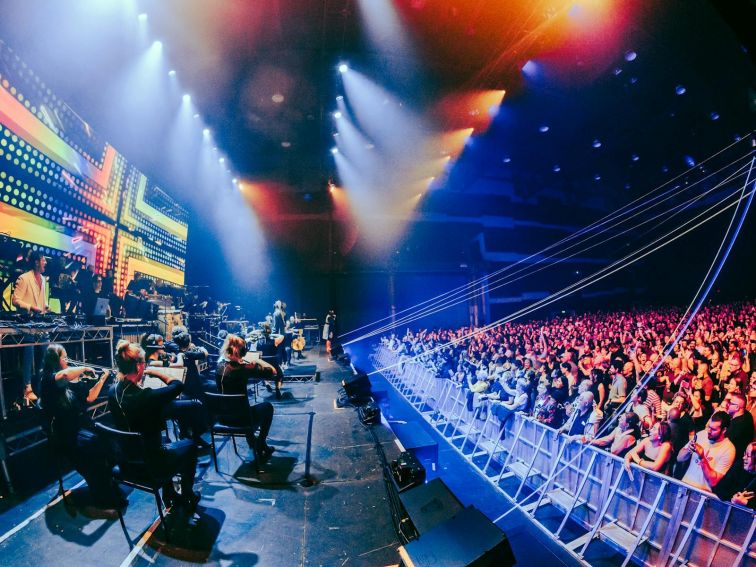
point(62, 187)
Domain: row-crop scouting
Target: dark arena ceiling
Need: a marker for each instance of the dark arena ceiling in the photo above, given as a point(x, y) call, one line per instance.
point(470, 108)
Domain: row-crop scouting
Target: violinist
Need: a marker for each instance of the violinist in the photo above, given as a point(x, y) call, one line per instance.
point(188, 411)
point(232, 376)
point(139, 409)
point(66, 395)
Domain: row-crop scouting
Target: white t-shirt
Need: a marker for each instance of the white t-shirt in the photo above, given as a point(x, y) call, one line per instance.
point(720, 456)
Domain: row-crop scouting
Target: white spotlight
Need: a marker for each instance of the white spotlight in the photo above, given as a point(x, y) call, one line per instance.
point(187, 98)
point(337, 115)
point(142, 17)
point(157, 44)
point(171, 73)
point(334, 151)
point(221, 160)
point(343, 68)
point(206, 132)
point(196, 115)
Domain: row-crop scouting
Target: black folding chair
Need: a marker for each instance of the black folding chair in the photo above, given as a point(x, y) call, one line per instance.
point(230, 417)
point(127, 456)
point(57, 456)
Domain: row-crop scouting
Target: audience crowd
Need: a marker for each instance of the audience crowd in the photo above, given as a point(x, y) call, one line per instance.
point(589, 377)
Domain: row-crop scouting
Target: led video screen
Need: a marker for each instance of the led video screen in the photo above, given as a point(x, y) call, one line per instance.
point(66, 190)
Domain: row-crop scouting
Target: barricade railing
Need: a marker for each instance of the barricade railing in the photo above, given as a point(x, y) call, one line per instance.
point(651, 519)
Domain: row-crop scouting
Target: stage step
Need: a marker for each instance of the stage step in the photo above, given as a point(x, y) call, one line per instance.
point(562, 499)
point(620, 536)
point(521, 469)
point(579, 542)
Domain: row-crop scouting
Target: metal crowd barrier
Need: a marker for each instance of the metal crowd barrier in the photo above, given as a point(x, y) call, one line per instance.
point(649, 518)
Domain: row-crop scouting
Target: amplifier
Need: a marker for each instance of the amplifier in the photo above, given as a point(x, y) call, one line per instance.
point(407, 471)
point(369, 413)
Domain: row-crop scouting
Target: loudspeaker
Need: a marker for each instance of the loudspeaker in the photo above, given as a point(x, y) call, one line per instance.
point(407, 471)
point(357, 386)
point(370, 414)
point(430, 504)
point(467, 539)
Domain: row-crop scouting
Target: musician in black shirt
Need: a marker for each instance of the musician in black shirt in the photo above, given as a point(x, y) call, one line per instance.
point(143, 410)
point(232, 376)
point(67, 393)
point(270, 348)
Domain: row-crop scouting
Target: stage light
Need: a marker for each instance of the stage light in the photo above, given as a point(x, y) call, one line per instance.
point(596, 143)
point(339, 98)
point(680, 90)
point(543, 129)
point(277, 98)
point(142, 17)
point(689, 161)
point(157, 44)
point(334, 151)
point(714, 116)
point(206, 132)
point(196, 115)
point(285, 144)
point(221, 160)
point(530, 68)
point(631, 55)
point(343, 68)
point(171, 73)
point(597, 177)
point(556, 169)
point(617, 72)
point(507, 159)
point(337, 114)
point(635, 157)
point(187, 98)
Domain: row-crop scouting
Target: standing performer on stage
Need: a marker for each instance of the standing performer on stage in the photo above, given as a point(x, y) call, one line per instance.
point(329, 329)
point(29, 296)
point(279, 317)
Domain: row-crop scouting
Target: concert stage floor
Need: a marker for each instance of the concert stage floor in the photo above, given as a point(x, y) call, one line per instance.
point(274, 518)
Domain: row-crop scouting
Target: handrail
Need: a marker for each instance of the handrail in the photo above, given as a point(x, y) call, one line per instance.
point(641, 516)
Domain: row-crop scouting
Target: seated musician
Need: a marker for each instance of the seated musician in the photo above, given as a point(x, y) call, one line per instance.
point(66, 395)
point(296, 340)
point(188, 411)
point(143, 410)
point(188, 355)
point(270, 348)
point(232, 376)
point(90, 296)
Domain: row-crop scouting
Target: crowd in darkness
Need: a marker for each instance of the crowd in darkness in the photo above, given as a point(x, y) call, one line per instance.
point(588, 376)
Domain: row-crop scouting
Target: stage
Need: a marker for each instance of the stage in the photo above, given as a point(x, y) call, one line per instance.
point(320, 500)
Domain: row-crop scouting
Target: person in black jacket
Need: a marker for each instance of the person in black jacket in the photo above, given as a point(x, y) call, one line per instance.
point(233, 374)
point(144, 410)
point(66, 395)
point(271, 348)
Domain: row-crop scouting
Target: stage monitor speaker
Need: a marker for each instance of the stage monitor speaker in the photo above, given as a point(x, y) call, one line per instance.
point(357, 386)
point(407, 471)
point(468, 539)
point(430, 504)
